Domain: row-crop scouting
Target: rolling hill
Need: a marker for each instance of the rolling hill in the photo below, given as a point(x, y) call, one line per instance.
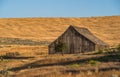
point(48, 29)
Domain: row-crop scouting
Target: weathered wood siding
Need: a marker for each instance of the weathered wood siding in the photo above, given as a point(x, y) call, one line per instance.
point(75, 42)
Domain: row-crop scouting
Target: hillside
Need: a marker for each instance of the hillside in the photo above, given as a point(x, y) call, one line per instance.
point(48, 29)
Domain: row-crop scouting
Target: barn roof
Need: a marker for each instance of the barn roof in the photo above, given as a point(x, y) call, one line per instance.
point(86, 33)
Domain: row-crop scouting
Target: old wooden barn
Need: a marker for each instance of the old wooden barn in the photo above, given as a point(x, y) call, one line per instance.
point(77, 40)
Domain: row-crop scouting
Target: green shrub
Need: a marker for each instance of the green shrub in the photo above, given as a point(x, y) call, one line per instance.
point(1, 59)
point(99, 52)
point(92, 62)
point(118, 48)
point(108, 51)
point(76, 65)
point(61, 47)
point(114, 50)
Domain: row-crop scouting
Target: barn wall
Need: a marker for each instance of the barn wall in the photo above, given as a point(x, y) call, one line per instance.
point(75, 42)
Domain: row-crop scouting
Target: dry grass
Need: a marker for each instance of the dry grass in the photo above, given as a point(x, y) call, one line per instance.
point(87, 74)
point(74, 65)
point(56, 72)
point(24, 50)
point(48, 29)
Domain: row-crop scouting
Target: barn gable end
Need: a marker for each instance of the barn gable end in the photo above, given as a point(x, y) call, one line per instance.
point(78, 40)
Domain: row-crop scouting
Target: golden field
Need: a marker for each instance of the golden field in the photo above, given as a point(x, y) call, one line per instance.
point(29, 37)
point(48, 29)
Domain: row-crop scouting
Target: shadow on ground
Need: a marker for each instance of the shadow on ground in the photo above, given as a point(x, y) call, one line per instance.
point(15, 57)
point(43, 63)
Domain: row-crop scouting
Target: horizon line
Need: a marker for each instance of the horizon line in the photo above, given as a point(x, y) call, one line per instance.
point(60, 16)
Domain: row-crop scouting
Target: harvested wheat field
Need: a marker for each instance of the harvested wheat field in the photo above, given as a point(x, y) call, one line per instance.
point(48, 29)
